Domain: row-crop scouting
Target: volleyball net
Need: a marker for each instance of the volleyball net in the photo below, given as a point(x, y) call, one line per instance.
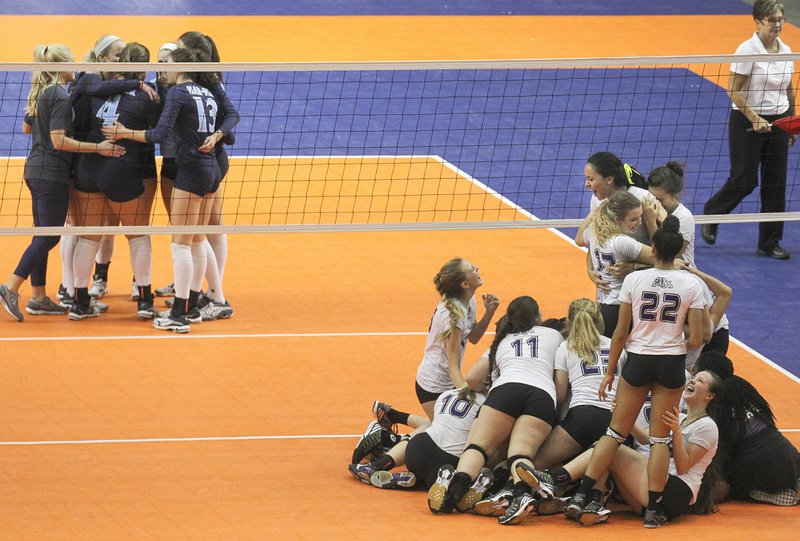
point(410, 145)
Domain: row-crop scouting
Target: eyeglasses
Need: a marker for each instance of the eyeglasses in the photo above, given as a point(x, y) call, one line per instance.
point(775, 21)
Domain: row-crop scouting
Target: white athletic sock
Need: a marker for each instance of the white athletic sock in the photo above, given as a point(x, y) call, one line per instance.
point(182, 268)
point(199, 262)
point(212, 276)
point(141, 259)
point(67, 250)
point(219, 242)
point(106, 250)
point(83, 261)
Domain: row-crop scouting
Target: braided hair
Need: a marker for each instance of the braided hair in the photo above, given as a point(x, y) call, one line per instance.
point(448, 283)
point(586, 325)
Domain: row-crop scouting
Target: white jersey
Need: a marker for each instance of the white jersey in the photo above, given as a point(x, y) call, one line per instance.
point(769, 80)
point(585, 378)
point(619, 249)
point(702, 432)
point(642, 195)
point(660, 301)
point(433, 374)
point(529, 357)
point(452, 419)
point(686, 229)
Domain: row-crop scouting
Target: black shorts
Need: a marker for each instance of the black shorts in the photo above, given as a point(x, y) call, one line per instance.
point(586, 424)
point(169, 169)
point(677, 496)
point(425, 395)
point(518, 399)
point(198, 177)
point(119, 181)
point(424, 458)
point(720, 341)
point(85, 173)
point(149, 165)
point(643, 370)
point(610, 313)
point(224, 165)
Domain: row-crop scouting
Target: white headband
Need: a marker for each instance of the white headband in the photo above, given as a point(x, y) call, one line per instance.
point(168, 46)
point(105, 43)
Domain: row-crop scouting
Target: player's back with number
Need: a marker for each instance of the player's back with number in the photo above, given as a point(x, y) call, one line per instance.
point(452, 420)
point(660, 301)
point(529, 357)
point(191, 111)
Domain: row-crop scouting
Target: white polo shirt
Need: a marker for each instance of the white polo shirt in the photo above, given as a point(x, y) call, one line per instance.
point(766, 89)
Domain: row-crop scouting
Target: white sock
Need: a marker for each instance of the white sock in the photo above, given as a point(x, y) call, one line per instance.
point(199, 262)
point(219, 242)
point(141, 259)
point(212, 276)
point(67, 250)
point(182, 268)
point(106, 250)
point(83, 261)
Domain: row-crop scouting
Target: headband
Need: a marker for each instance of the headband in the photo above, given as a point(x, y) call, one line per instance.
point(168, 46)
point(105, 43)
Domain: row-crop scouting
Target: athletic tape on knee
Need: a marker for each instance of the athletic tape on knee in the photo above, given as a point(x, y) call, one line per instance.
point(480, 450)
point(611, 433)
point(656, 441)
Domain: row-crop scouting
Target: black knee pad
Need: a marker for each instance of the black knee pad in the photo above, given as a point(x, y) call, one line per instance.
point(480, 450)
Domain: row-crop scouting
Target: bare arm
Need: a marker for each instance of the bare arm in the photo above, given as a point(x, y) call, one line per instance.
point(477, 374)
point(68, 144)
point(618, 341)
point(685, 455)
point(561, 379)
point(454, 358)
point(696, 334)
point(736, 84)
point(490, 303)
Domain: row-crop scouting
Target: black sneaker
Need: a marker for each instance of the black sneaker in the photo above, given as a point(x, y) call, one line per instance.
point(593, 513)
point(146, 310)
point(539, 481)
point(437, 495)
point(380, 411)
point(78, 312)
point(368, 442)
point(494, 505)
point(654, 518)
point(575, 506)
point(476, 490)
point(709, 233)
point(519, 508)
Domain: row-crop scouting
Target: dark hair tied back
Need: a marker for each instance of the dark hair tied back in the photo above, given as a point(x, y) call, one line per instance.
point(671, 224)
point(676, 167)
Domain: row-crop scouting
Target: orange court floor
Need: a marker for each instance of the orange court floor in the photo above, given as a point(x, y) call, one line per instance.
point(242, 430)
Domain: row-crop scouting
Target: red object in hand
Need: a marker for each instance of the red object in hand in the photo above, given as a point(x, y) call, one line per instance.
point(789, 124)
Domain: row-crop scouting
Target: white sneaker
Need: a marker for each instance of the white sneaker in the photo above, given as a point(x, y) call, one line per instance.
point(134, 291)
point(99, 288)
point(213, 310)
point(179, 325)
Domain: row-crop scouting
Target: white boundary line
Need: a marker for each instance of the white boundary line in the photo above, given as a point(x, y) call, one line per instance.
point(167, 336)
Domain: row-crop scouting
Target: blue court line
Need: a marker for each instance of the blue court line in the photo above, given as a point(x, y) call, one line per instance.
point(375, 7)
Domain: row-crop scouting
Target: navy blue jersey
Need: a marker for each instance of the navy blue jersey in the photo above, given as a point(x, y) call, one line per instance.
point(132, 109)
point(83, 88)
point(190, 112)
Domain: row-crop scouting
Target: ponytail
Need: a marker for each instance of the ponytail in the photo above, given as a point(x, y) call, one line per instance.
point(586, 325)
point(42, 80)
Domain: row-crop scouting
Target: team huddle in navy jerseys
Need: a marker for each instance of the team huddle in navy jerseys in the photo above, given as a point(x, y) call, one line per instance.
point(629, 399)
point(93, 163)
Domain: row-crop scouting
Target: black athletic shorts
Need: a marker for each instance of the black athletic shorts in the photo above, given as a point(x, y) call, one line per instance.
point(149, 166)
point(223, 163)
point(677, 496)
point(586, 424)
point(198, 177)
point(168, 168)
point(610, 313)
point(424, 458)
point(424, 395)
point(643, 370)
point(518, 399)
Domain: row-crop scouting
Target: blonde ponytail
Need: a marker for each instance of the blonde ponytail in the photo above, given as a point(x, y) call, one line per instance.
point(41, 80)
point(585, 326)
point(448, 283)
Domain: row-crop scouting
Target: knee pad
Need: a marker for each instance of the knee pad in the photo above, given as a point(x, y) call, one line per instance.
point(616, 436)
point(480, 450)
point(658, 441)
point(514, 458)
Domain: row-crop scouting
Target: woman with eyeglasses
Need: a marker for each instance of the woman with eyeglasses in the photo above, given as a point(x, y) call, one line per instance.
point(761, 93)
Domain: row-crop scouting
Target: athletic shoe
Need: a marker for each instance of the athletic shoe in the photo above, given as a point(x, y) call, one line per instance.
point(495, 505)
point(784, 498)
point(518, 509)
point(593, 513)
point(10, 302)
point(214, 310)
point(654, 518)
point(362, 472)
point(539, 481)
point(380, 411)
point(45, 307)
point(368, 442)
point(98, 289)
point(78, 312)
point(194, 316)
point(100, 306)
point(550, 506)
point(170, 301)
point(62, 291)
point(67, 300)
point(134, 291)
point(575, 506)
point(385, 479)
point(437, 495)
point(166, 291)
point(146, 310)
point(179, 324)
point(476, 491)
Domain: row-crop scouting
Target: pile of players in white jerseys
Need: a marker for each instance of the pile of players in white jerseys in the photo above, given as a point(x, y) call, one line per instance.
point(575, 412)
